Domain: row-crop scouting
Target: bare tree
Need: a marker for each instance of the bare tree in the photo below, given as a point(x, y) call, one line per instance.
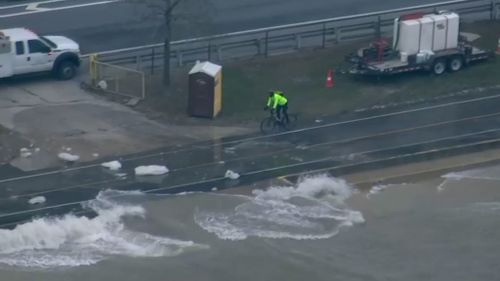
point(191, 13)
point(169, 7)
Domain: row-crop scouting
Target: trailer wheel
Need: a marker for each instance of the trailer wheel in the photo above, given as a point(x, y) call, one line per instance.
point(439, 67)
point(455, 64)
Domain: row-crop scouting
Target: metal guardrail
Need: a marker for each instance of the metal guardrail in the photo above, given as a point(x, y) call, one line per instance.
point(288, 38)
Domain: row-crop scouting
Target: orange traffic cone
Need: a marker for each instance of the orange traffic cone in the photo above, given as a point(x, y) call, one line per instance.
point(498, 47)
point(329, 79)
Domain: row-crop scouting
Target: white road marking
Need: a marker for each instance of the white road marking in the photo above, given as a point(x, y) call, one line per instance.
point(27, 4)
point(35, 9)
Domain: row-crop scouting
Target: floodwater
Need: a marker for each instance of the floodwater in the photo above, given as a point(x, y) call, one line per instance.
point(446, 228)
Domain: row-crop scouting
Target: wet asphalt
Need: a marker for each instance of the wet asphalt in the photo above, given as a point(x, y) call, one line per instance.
point(348, 143)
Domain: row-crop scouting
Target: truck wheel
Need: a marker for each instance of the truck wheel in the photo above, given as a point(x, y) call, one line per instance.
point(455, 64)
point(439, 67)
point(66, 70)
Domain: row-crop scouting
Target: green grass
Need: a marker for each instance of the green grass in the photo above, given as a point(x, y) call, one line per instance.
point(302, 77)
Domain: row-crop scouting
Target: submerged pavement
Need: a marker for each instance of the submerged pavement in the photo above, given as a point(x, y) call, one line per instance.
point(50, 117)
point(351, 143)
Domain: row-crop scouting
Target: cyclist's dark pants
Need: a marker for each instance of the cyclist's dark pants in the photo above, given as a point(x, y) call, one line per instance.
point(284, 109)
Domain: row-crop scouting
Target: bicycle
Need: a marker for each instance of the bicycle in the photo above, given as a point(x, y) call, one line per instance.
point(272, 124)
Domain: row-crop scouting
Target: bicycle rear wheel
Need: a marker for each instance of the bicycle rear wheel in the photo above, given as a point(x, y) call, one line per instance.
point(292, 122)
point(267, 125)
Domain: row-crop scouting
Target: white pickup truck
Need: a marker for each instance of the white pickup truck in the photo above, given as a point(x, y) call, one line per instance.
point(23, 51)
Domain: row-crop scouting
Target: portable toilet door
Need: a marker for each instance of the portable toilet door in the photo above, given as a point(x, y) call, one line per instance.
point(205, 90)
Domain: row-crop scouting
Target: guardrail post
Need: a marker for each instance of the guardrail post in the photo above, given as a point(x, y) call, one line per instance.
point(493, 10)
point(152, 60)
point(266, 49)
point(258, 43)
point(117, 84)
point(323, 42)
point(143, 78)
point(219, 52)
point(179, 57)
point(378, 27)
point(138, 62)
point(338, 35)
point(209, 51)
point(298, 39)
point(496, 10)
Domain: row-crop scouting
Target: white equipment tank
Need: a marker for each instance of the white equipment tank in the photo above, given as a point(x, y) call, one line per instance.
point(408, 37)
point(433, 32)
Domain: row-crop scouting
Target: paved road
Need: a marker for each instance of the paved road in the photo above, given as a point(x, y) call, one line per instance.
point(110, 24)
point(359, 140)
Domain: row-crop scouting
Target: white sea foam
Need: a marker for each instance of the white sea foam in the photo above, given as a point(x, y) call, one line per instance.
point(69, 240)
point(455, 175)
point(313, 209)
point(490, 173)
point(440, 187)
point(376, 189)
point(486, 207)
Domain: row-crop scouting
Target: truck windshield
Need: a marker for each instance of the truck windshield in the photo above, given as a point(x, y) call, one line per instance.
point(48, 42)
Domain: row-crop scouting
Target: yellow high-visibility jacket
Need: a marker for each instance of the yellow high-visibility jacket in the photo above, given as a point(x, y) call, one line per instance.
point(277, 99)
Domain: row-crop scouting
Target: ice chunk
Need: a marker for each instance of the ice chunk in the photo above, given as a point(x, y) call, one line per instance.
point(68, 157)
point(112, 165)
point(37, 200)
point(24, 152)
point(151, 170)
point(231, 175)
point(121, 175)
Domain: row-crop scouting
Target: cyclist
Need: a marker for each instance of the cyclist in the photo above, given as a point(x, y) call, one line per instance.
point(278, 103)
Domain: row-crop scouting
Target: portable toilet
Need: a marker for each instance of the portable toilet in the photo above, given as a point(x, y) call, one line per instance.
point(205, 90)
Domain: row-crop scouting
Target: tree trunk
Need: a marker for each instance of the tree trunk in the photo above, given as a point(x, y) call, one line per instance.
point(166, 47)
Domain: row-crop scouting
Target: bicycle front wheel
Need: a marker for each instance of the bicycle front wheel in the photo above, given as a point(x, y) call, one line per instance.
point(267, 126)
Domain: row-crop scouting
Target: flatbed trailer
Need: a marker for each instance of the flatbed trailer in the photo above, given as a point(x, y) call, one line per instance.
point(438, 62)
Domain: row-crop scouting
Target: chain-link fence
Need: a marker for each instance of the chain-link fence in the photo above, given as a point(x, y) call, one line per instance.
point(117, 79)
